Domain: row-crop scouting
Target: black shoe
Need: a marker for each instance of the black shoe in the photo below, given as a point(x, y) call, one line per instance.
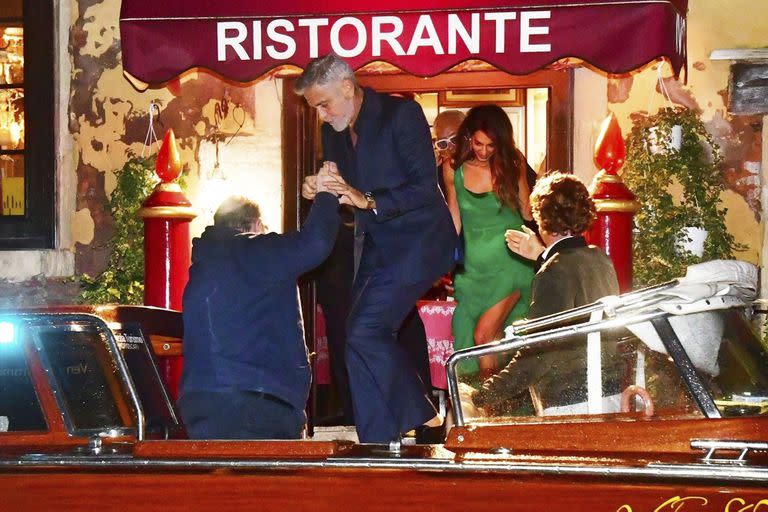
point(430, 435)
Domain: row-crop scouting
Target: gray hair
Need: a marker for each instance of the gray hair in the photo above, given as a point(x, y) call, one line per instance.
point(322, 71)
point(238, 213)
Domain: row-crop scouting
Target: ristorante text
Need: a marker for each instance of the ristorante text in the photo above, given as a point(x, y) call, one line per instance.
point(349, 36)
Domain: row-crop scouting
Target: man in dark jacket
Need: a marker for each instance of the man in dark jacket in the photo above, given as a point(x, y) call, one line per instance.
point(572, 274)
point(246, 372)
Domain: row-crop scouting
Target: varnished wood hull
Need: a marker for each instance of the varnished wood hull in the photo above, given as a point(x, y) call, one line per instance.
point(358, 489)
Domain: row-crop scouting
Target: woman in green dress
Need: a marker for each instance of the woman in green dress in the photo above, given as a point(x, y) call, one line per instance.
point(489, 194)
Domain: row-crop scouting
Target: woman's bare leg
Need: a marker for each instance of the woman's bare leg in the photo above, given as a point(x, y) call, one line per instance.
point(489, 328)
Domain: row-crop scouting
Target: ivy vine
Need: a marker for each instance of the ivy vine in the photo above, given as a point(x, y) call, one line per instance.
point(122, 281)
point(653, 171)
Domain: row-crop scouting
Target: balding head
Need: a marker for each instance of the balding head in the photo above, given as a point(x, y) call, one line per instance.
point(447, 123)
point(240, 214)
point(446, 126)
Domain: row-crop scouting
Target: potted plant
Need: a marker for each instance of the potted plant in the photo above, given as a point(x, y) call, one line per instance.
point(673, 166)
point(123, 279)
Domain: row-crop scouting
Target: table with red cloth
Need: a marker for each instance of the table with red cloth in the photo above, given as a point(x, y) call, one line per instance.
point(436, 316)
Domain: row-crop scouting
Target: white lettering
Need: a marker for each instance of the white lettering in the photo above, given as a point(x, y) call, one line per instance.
point(526, 31)
point(257, 40)
point(351, 36)
point(425, 25)
point(362, 37)
point(222, 40)
point(274, 35)
point(378, 34)
point(471, 39)
point(13, 372)
point(500, 18)
point(313, 24)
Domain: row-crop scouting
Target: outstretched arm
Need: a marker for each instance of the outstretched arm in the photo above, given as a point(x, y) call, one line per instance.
point(291, 254)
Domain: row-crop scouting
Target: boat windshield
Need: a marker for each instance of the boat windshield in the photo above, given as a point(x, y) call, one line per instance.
point(83, 371)
point(621, 371)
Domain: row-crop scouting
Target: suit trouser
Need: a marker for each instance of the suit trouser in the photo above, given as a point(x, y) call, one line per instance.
point(388, 396)
point(240, 415)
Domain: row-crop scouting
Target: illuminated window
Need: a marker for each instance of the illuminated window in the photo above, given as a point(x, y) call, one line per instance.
point(26, 124)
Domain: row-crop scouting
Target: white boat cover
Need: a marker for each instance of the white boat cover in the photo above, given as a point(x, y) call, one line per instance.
point(706, 287)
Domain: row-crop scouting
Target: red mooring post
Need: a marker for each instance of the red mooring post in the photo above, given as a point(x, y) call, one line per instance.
point(615, 203)
point(167, 214)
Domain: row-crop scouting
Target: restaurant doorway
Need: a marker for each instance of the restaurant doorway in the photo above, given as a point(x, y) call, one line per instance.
point(540, 106)
point(301, 148)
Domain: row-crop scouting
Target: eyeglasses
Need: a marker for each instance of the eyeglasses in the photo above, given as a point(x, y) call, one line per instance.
point(443, 144)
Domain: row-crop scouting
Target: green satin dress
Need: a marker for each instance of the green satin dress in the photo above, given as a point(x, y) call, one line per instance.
point(490, 271)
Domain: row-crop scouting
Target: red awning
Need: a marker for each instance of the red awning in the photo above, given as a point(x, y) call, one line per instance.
point(242, 39)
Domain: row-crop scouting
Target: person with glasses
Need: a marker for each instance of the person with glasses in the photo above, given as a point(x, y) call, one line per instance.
point(492, 183)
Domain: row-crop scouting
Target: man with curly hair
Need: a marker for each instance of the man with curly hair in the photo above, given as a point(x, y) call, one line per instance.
point(572, 274)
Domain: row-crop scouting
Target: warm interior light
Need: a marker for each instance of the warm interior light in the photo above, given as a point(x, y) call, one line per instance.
point(213, 192)
point(15, 130)
point(10, 127)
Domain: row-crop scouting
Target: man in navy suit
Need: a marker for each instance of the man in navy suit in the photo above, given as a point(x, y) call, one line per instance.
point(380, 149)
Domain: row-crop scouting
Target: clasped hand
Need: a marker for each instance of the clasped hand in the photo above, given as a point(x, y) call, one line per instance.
point(328, 179)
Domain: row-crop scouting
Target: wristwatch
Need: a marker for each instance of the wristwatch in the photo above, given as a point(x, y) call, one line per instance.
point(371, 201)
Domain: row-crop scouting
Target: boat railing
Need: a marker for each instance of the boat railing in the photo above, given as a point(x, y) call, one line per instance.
point(609, 306)
point(553, 336)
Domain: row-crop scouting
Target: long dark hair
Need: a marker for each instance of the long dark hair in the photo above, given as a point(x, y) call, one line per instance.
point(506, 163)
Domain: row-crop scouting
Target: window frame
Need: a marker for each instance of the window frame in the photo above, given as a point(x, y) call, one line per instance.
point(35, 229)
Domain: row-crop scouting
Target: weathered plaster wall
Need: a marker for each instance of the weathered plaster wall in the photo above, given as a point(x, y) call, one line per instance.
point(712, 25)
point(109, 121)
point(102, 120)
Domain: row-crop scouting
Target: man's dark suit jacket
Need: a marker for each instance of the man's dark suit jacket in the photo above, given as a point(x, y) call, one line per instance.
point(574, 274)
point(393, 160)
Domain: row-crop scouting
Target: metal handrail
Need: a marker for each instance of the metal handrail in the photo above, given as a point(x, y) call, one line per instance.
point(514, 342)
point(610, 305)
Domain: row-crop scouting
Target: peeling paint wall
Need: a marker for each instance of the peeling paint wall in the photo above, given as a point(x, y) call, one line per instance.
point(104, 121)
point(108, 118)
point(109, 121)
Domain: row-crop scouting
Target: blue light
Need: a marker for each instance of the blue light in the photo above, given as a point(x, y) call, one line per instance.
point(7, 333)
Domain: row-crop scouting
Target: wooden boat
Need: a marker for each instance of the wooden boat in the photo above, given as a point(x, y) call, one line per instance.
point(86, 423)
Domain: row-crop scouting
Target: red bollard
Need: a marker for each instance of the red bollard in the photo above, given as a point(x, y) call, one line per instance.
point(167, 214)
point(616, 205)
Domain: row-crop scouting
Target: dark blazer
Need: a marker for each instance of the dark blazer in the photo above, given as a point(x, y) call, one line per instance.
point(394, 161)
point(574, 274)
point(242, 324)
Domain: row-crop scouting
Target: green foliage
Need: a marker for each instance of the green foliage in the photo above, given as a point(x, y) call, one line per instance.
point(123, 279)
point(693, 174)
